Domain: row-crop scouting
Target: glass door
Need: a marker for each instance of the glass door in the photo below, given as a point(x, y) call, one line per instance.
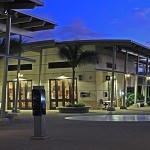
point(24, 97)
point(11, 95)
point(53, 95)
point(60, 92)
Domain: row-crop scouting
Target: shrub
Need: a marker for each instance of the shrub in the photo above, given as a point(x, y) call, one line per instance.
point(130, 99)
point(76, 105)
point(140, 96)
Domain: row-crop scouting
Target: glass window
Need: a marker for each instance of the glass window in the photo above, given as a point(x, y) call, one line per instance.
point(75, 92)
point(67, 89)
point(53, 86)
point(22, 90)
point(59, 89)
point(29, 90)
point(10, 90)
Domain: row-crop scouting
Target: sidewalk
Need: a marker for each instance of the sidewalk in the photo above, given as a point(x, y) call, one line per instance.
point(78, 135)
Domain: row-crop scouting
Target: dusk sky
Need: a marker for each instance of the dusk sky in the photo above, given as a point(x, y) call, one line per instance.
point(96, 19)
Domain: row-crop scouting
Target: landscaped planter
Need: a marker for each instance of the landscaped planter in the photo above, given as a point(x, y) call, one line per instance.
point(74, 109)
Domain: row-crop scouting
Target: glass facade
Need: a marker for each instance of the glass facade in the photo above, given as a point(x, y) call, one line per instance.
point(60, 92)
point(24, 97)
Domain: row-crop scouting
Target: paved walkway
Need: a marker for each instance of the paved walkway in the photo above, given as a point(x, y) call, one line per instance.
point(78, 135)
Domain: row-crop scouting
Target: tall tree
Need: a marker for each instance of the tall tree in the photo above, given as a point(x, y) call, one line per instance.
point(15, 45)
point(74, 53)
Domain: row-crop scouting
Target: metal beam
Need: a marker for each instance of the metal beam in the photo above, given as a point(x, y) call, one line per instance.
point(3, 16)
point(33, 24)
point(6, 1)
point(21, 20)
point(45, 27)
point(24, 4)
point(17, 57)
point(16, 30)
point(3, 34)
point(18, 6)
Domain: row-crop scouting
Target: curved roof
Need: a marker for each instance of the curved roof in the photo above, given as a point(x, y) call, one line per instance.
point(125, 44)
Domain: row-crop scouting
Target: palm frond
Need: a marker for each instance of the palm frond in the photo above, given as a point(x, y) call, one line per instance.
point(76, 56)
point(88, 57)
point(15, 45)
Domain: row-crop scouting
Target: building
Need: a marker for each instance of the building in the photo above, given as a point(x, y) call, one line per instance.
point(123, 68)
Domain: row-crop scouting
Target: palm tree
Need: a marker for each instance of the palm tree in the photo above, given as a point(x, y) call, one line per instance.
point(15, 45)
point(73, 52)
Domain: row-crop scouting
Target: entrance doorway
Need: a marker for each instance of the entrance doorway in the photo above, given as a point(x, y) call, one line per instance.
point(60, 92)
point(24, 97)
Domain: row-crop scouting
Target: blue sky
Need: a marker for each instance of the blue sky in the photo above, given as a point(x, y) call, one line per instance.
point(96, 19)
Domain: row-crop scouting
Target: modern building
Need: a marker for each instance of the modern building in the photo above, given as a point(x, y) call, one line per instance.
point(123, 68)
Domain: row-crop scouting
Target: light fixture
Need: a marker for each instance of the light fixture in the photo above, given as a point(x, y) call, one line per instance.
point(20, 77)
point(114, 78)
point(62, 76)
point(148, 78)
point(128, 75)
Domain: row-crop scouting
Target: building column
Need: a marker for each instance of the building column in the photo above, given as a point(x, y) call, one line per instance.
point(5, 71)
point(15, 109)
point(146, 77)
point(111, 107)
point(125, 81)
point(40, 67)
point(136, 81)
point(135, 88)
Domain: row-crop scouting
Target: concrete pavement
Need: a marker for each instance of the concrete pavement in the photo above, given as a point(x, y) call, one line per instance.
point(78, 135)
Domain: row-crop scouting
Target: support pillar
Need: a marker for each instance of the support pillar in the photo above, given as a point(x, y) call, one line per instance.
point(125, 82)
point(111, 107)
point(40, 67)
point(16, 110)
point(146, 76)
point(136, 81)
point(5, 71)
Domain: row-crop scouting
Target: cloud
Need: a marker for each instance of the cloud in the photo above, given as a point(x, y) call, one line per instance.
point(147, 43)
point(142, 12)
point(75, 30)
point(42, 35)
point(117, 21)
point(131, 1)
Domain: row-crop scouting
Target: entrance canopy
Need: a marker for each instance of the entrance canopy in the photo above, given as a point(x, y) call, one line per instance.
point(24, 24)
point(20, 4)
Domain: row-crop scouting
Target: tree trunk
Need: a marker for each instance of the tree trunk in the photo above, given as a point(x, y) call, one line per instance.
point(72, 89)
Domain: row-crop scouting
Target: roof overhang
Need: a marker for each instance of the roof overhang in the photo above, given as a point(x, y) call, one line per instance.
point(25, 24)
point(17, 57)
point(20, 4)
point(132, 47)
point(38, 46)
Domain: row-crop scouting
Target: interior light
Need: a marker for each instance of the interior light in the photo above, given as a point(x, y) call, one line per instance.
point(62, 76)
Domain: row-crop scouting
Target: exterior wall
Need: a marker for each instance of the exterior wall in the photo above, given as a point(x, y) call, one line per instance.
point(106, 57)
point(93, 76)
